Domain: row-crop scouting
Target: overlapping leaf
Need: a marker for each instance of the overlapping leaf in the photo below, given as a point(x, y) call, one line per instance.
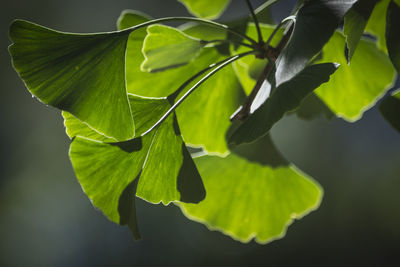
point(83, 74)
point(248, 200)
point(158, 161)
point(354, 89)
point(390, 109)
point(376, 23)
point(354, 24)
point(166, 47)
point(393, 34)
point(207, 9)
point(315, 23)
point(285, 98)
point(204, 116)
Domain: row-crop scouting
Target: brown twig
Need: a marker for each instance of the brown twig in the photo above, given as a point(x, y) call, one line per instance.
point(272, 54)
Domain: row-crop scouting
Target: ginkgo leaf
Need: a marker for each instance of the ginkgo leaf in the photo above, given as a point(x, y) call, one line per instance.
point(390, 109)
point(393, 34)
point(142, 83)
point(83, 74)
point(207, 9)
point(167, 47)
point(130, 18)
point(354, 89)
point(222, 90)
point(377, 22)
point(159, 161)
point(315, 23)
point(283, 99)
point(247, 199)
point(146, 111)
point(354, 24)
point(204, 116)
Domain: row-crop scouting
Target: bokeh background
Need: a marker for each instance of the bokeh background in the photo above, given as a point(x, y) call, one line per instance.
point(46, 220)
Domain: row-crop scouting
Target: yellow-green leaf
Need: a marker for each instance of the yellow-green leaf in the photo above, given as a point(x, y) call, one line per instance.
point(355, 88)
point(247, 200)
point(207, 9)
point(83, 74)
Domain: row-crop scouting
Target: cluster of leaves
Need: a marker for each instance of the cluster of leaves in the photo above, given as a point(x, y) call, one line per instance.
point(135, 99)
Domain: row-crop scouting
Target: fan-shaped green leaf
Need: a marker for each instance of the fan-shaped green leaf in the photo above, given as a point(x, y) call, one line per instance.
point(285, 98)
point(390, 109)
point(166, 47)
point(146, 111)
point(83, 74)
point(159, 160)
point(207, 9)
point(393, 33)
point(355, 88)
point(354, 24)
point(130, 18)
point(248, 200)
point(222, 93)
point(315, 23)
point(204, 116)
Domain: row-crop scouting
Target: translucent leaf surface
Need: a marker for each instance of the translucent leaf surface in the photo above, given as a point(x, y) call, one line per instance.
point(204, 116)
point(208, 9)
point(166, 47)
point(83, 74)
point(248, 200)
point(285, 98)
point(146, 111)
point(354, 24)
point(377, 22)
point(393, 33)
point(316, 21)
point(390, 109)
point(159, 160)
point(354, 89)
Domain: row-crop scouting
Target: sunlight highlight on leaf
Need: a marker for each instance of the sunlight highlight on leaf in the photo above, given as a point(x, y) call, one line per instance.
point(247, 200)
point(83, 74)
point(354, 89)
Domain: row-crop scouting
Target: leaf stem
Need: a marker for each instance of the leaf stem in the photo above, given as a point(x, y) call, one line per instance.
point(244, 112)
point(255, 19)
point(203, 21)
point(217, 67)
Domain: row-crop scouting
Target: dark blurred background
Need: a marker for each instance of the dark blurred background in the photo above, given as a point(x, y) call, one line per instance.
point(46, 220)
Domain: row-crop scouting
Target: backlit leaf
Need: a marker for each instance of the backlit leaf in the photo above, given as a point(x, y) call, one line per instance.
point(83, 74)
point(247, 200)
point(354, 89)
point(354, 24)
point(285, 98)
point(207, 9)
point(204, 116)
point(377, 22)
point(166, 47)
point(159, 161)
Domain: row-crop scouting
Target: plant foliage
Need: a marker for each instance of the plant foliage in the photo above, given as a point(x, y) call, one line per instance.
point(138, 101)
